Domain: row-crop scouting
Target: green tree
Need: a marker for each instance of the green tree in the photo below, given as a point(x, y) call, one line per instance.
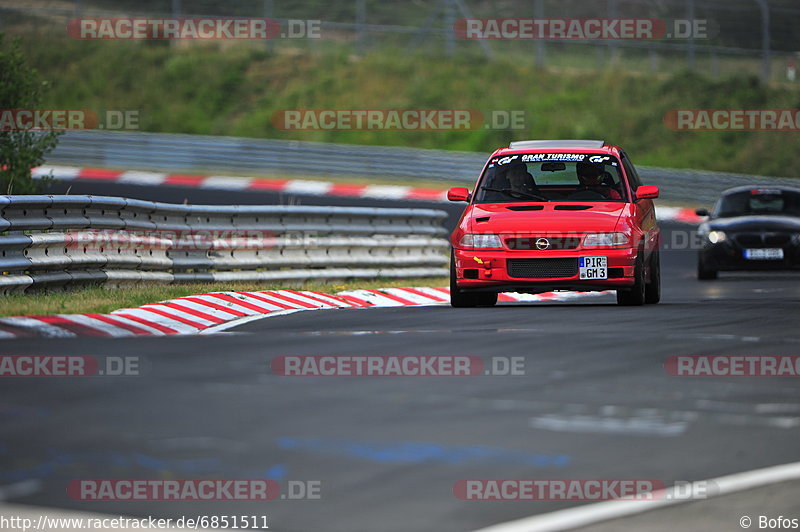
point(20, 150)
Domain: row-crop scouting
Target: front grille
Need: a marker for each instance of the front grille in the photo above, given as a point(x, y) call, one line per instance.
point(763, 240)
point(749, 240)
point(776, 240)
point(556, 242)
point(542, 268)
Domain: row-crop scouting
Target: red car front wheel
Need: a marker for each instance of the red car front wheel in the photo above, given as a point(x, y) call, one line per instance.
point(635, 295)
point(460, 299)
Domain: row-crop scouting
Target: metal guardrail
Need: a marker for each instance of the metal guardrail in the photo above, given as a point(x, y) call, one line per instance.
point(58, 241)
point(163, 152)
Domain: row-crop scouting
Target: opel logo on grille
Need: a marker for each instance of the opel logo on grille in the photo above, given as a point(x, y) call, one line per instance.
point(542, 244)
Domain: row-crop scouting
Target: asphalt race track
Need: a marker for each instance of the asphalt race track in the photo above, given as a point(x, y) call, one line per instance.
point(594, 402)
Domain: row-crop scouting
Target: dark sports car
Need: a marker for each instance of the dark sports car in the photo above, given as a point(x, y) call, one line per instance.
point(751, 228)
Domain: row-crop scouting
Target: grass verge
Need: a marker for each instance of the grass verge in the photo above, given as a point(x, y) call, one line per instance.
point(238, 91)
point(103, 300)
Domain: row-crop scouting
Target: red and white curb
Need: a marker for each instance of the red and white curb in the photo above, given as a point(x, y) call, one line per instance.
point(217, 311)
point(287, 186)
point(678, 214)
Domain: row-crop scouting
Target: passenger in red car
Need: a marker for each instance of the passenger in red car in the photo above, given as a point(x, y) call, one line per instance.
point(592, 177)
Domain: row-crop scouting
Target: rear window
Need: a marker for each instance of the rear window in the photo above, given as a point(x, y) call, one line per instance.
point(551, 177)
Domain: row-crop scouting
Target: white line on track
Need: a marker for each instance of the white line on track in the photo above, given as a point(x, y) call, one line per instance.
point(641, 425)
point(590, 514)
point(20, 489)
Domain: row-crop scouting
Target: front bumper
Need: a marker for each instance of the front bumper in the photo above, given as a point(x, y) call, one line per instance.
point(490, 272)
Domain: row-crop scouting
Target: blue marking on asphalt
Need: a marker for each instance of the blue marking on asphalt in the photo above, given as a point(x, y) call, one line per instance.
point(277, 472)
point(421, 452)
point(66, 463)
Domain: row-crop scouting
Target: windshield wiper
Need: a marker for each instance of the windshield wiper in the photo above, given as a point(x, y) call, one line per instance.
point(514, 193)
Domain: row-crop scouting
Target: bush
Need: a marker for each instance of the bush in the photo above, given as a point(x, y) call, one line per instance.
point(20, 150)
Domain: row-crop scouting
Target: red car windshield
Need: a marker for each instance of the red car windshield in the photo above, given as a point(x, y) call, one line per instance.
point(551, 177)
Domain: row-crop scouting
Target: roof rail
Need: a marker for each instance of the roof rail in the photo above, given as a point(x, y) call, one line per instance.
point(531, 144)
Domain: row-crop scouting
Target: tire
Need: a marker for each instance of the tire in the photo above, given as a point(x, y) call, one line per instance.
point(703, 273)
point(652, 291)
point(635, 295)
point(460, 299)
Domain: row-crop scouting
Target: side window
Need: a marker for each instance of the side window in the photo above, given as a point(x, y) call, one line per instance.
point(631, 172)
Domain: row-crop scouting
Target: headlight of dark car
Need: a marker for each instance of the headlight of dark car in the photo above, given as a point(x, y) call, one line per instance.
point(716, 237)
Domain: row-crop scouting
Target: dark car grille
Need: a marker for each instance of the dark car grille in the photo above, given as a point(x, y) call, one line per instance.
point(542, 268)
point(556, 242)
point(763, 240)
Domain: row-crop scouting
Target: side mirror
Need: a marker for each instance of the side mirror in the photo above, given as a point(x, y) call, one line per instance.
point(701, 212)
point(647, 192)
point(458, 194)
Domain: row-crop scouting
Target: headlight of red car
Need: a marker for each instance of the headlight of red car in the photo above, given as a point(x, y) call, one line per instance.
point(482, 241)
point(606, 240)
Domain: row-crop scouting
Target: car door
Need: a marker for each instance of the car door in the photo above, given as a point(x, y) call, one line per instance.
point(644, 211)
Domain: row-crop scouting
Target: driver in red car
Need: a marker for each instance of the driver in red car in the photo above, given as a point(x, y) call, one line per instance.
point(520, 180)
point(591, 176)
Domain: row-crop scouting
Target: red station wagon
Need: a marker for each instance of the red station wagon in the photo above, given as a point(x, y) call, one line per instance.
point(556, 215)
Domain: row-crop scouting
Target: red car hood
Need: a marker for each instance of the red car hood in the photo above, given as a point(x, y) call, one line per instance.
point(598, 217)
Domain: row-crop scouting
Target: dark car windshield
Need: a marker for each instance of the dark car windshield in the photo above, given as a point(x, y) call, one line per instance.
point(551, 177)
point(759, 201)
